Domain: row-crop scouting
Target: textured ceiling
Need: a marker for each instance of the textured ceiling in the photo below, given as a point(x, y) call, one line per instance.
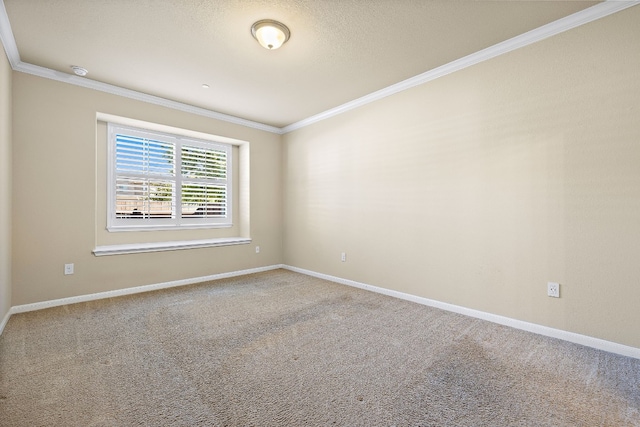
point(339, 50)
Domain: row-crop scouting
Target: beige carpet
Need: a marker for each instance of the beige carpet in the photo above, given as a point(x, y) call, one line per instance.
point(284, 349)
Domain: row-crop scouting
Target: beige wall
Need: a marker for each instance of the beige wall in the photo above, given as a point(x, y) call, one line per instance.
point(5, 185)
point(55, 194)
point(478, 188)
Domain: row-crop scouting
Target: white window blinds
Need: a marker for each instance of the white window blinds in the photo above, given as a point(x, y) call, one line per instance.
point(204, 181)
point(160, 181)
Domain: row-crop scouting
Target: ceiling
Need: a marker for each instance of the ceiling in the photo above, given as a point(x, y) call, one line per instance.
point(339, 51)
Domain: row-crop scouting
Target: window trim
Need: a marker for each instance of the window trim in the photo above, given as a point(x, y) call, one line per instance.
point(177, 138)
point(138, 242)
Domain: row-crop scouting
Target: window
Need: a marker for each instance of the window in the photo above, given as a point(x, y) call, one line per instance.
point(160, 181)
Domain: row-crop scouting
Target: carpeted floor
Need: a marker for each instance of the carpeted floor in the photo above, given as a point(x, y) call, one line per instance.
point(284, 349)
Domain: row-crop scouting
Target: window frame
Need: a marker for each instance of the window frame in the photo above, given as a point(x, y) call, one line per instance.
point(177, 222)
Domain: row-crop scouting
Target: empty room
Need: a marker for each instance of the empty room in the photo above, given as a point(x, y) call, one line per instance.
point(319, 213)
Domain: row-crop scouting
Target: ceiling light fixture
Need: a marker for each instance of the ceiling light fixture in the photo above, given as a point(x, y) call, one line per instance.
point(79, 70)
point(270, 34)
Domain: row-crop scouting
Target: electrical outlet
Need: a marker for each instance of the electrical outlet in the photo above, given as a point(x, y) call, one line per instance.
point(257, 249)
point(68, 269)
point(553, 289)
point(343, 257)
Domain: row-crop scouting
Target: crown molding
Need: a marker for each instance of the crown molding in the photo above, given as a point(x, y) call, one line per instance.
point(585, 16)
point(139, 96)
point(561, 25)
point(6, 37)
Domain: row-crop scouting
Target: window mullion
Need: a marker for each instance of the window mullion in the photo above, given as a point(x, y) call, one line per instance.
point(178, 177)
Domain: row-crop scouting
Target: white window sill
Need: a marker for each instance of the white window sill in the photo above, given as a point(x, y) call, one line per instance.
point(136, 248)
point(156, 227)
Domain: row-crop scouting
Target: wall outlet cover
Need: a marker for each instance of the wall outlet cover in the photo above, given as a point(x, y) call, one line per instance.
point(68, 269)
point(553, 289)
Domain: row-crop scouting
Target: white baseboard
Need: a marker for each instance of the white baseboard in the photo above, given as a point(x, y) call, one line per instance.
point(135, 290)
point(506, 321)
point(4, 321)
point(585, 340)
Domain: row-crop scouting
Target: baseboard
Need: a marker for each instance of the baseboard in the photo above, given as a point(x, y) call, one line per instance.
point(585, 340)
point(4, 321)
point(135, 290)
point(506, 321)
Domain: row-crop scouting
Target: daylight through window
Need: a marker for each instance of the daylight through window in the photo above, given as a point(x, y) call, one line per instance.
point(166, 181)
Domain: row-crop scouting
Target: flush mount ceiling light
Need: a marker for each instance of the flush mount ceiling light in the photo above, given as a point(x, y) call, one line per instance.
point(270, 34)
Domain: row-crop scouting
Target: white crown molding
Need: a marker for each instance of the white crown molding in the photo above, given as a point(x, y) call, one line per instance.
point(561, 25)
point(585, 16)
point(139, 96)
point(585, 340)
point(6, 37)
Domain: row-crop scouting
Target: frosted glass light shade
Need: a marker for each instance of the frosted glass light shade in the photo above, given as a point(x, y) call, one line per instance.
point(270, 34)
